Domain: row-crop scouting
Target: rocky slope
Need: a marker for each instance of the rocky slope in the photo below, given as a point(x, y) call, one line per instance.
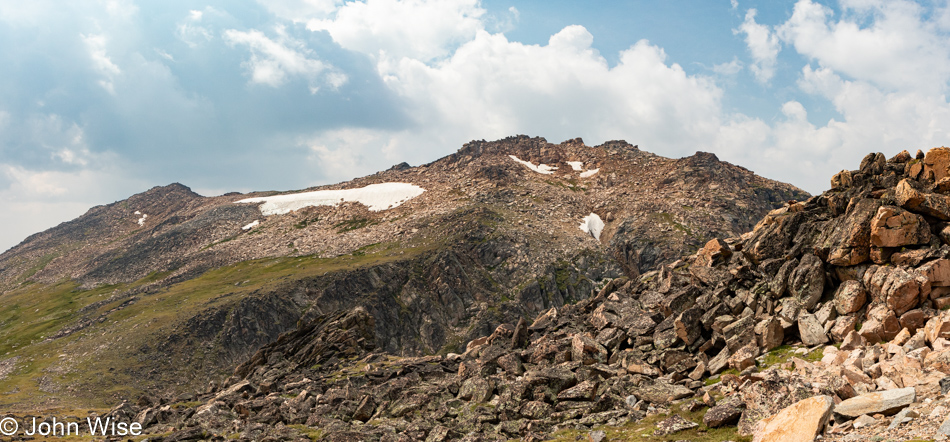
point(828, 319)
point(168, 290)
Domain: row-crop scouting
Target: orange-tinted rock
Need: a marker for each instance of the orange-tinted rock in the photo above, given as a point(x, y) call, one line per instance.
point(912, 199)
point(937, 163)
point(895, 227)
point(801, 421)
point(841, 180)
point(850, 297)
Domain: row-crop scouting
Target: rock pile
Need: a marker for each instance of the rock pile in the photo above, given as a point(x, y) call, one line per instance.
point(856, 278)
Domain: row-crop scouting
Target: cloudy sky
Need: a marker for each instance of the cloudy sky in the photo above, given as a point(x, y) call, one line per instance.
point(103, 99)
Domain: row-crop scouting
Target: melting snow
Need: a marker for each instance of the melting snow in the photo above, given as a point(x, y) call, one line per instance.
point(375, 196)
point(540, 168)
point(252, 225)
point(589, 173)
point(593, 225)
point(142, 219)
point(576, 165)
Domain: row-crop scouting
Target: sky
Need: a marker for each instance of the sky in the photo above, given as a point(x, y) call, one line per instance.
point(103, 99)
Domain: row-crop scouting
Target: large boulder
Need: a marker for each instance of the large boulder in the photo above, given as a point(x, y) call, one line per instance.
point(801, 421)
point(849, 240)
point(885, 402)
point(897, 288)
point(910, 198)
point(896, 227)
point(850, 297)
point(808, 281)
point(936, 164)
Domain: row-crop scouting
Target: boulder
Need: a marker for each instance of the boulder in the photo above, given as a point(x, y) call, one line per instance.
point(936, 163)
point(801, 421)
point(849, 238)
point(673, 424)
point(808, 281)
point(841, 180)
point(769, 333)
point(886, 402)
point(713, 253)
point(726, 413)
point(850, 297)
point(811, 331)
point(899, 289)
point(896, 227)
point(935, 205)
point(687, 325)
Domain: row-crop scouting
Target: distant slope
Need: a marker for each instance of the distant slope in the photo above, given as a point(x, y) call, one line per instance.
point(104, 306)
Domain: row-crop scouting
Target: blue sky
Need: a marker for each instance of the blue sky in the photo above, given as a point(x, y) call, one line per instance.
point(103, 99)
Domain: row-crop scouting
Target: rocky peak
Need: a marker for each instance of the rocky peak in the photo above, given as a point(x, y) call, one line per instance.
point(740, 332)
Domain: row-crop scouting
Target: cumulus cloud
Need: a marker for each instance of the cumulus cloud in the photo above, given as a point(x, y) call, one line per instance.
point(763, 45)
point(418, 29)
point(273, 60)
point(900, 49)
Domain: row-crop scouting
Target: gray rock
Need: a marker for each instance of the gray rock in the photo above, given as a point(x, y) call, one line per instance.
point(886, 402)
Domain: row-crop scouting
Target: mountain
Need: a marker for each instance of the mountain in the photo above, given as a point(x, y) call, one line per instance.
point(168, 290)
point(829, 319)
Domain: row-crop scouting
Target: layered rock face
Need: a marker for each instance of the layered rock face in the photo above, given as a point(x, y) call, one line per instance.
point(825, 319)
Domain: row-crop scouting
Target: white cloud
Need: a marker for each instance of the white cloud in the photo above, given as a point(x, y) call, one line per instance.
point(190, 30)
point(731, 68)
point(101, 63)
point(763, 45)
point(418, 29)
point(899, 49)
point(273, 60)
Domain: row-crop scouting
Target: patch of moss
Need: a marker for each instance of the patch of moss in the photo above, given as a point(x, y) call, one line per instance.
point(354, 224)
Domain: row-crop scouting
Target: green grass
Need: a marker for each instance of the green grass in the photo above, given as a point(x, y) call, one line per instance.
point(642, 431)
point(309, 432)
point(102, 362)
point(353, 224)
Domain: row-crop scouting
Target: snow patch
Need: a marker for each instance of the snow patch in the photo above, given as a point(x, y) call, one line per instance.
point(540, 168)
point(141, 220)
point(252, 225)
point(589, 173)
point(137, 212)
point(576, 165)
point(593, 225)
point(376, 197)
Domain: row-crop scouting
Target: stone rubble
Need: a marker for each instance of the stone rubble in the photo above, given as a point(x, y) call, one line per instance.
point(824, 320)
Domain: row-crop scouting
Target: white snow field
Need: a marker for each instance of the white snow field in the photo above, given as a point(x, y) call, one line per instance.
point(141, 220)
point(540, 168)
point(576, 165)
point(376, 197)
point(589, 173)
point(593, 225)
point(252, 225)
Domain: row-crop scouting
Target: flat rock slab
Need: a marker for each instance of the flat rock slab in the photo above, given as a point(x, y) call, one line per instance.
point(801, 421)
point(884, 402)
point(673, 424)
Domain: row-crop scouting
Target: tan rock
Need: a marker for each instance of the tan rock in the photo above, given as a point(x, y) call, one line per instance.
point(937, 272)
point(843, 326)
point(801, 421)
point(713, 253)
point(811, 331)
point(935, 205)
point(885, 402)
point(936, 163)
point(938, 327)
point(895, 227)
point(852, 341)
point(744, 357)
point(850, 297)
point(899, 289)
point(842, 180)
point(769, 333)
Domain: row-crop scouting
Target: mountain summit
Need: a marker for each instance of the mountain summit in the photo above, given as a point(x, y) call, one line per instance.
point(168, 290)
